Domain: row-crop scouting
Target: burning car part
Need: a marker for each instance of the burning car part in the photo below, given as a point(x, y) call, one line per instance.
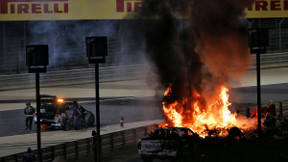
point(196, 57)
point(167, 142)
point(215, 115)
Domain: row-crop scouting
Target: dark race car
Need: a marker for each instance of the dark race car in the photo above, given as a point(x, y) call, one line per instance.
point(168, 143)
point(55, 113)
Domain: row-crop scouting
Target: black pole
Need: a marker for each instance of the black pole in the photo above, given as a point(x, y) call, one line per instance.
point(97, 112)
point(258, 92)
point(38, 118)
point(281, 109)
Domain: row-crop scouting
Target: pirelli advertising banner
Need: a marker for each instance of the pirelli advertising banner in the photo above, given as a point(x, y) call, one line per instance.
point(66, 9)
point(268, 9)
point(13, 10)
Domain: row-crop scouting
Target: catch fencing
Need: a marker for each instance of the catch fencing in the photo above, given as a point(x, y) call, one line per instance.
point(75, 149)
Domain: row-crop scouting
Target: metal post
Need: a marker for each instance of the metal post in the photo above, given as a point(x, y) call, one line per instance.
point(38, 118)
point(258, 92)
point(88, 145)
point(280, 34)
point(52, 153)
point(76, 149)
point(248, 112)
point(280, 109)
point(123, 139)
point(16, 158)
point(65, 150)
point(96, 48)
point(97, 112)
point(135, 136)
point(112, 142)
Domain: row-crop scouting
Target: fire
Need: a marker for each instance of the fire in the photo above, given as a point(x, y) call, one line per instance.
point(215, 115)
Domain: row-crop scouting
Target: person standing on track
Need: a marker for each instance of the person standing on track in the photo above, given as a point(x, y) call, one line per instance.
point(76, 115)
point(29, 111)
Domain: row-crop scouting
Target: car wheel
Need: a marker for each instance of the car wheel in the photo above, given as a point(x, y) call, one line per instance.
point(89, 118)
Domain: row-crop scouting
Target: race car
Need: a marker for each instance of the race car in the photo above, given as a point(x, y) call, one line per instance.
point(55, 113)
point(166, 143)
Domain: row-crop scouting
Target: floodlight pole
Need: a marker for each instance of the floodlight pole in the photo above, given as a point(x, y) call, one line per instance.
point(96, 50)
point(97, 112)
point(38, 117)
point(258, 40)
point(258, 92)
point(37, 58)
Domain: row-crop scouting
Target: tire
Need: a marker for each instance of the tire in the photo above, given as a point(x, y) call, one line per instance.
point(89, 119)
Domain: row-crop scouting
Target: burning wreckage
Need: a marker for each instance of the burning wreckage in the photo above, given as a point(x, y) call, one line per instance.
point(203, 137)
point(181, 143)
point(196, 60)
point(220, 136)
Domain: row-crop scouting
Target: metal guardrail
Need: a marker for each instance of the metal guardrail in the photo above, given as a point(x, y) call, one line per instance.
point(75, 149)
point(272, 60)
point(72, 77)
point(109, 73)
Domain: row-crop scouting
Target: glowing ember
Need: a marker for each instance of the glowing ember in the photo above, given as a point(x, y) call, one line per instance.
point(215, 115)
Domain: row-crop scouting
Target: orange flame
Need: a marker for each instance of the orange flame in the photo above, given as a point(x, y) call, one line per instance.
point(200, 119)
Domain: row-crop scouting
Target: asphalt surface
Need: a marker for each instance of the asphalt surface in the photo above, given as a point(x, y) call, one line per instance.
point(131, 109)
point(275, 92)
point(12, 122)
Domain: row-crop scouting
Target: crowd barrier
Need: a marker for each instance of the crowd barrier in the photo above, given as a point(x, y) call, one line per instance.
point(73, 150)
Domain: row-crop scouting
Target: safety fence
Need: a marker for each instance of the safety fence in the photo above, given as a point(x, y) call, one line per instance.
point(75, 149)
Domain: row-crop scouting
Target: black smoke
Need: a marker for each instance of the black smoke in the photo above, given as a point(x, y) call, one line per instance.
point(196, 45)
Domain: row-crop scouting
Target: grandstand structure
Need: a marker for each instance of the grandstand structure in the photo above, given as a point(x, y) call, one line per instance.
point(66, 41)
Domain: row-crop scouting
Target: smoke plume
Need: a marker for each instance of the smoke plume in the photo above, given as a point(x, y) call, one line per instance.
point(196, 45)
